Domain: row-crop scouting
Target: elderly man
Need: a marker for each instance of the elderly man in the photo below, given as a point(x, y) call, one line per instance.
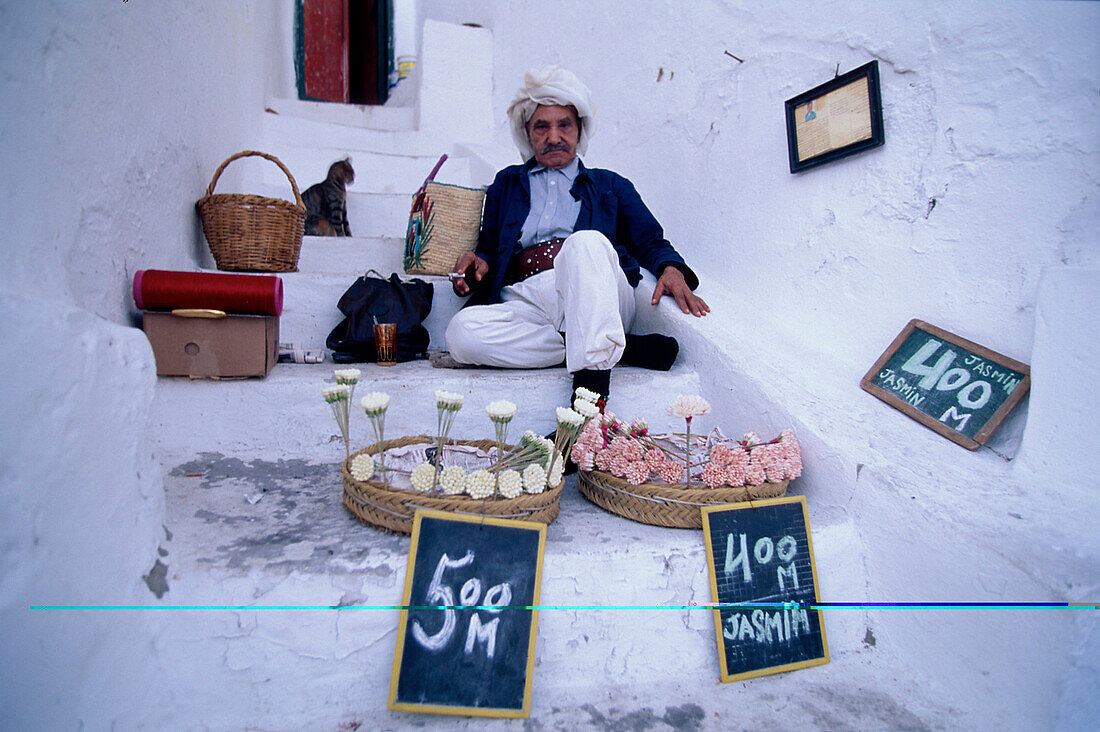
point(555, 267)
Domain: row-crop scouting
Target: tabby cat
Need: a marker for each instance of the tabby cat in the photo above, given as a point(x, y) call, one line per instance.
point(327, 202)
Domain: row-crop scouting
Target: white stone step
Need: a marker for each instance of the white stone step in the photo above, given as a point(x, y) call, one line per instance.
point(283, 417)
point(361, 116)
point(327, 268)
point(254, 520)
point(310, 312)
point(298, 546)
point(379, 214)
point(279, 131)
point(329, 265)
point(350, 255)
point(374, 172)
point(369, 214)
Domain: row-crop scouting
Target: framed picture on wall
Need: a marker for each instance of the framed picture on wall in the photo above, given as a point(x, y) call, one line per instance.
point(837, 119)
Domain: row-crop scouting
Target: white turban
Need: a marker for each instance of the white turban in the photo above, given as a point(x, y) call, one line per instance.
point(551, 86)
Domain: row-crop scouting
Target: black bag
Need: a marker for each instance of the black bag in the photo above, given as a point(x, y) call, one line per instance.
point(373, 300)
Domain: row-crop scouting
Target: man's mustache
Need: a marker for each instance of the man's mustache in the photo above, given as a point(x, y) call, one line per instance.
point(550, 147)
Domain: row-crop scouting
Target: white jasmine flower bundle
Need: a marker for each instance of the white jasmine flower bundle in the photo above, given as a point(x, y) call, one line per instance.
point(510, 483)
point(568, 418)
point(453, 480)
point(534, 478)
point(334, 393)
point(348, 378)
point(447, 403)
point(374, 404)
point(362, 466)
point(570, 423)
point(337, 398)
point(501, 413)
point(423, 477)
point(480, 484)
point(587, 395)
point(448, 400)
point(557, 471)
point(501, 410)
point(531, 448)
point(586, 409)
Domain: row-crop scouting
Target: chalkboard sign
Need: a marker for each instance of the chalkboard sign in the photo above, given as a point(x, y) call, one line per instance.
point(764, 582)
point(954, 386)
point(466, 637)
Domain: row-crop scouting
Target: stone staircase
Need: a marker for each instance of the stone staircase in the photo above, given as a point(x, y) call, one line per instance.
point(255, 532)
point(254, 520)
point(297, 628)
point(292, 625)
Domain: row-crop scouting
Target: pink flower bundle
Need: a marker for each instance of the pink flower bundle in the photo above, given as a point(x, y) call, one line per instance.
point(792, 454)
point(629, 452)
point(728, 466)
point(609, 445)
point(751, 461)
point(623, 456)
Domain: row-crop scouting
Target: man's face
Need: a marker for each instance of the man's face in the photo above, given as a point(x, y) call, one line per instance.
point(553, 132)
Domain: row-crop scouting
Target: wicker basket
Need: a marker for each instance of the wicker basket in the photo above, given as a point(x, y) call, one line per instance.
point(248, 233)
point(444, 222)
point(392, 509)
point(660, 504)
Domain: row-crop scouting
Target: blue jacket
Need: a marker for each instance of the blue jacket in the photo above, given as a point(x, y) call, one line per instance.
point(609, 204)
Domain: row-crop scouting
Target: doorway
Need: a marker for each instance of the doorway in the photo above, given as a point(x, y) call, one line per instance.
point(343, 50)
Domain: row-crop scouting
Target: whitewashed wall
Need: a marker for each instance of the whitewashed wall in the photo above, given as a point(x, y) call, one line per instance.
point(987, 185)
point(112, 109)
point(987, 175)
point(114, 116)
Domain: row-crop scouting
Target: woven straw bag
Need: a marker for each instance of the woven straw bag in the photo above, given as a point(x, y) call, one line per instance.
point(252, 233)
point(444, 222)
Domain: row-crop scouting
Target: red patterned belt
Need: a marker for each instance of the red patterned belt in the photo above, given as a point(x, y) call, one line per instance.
point(534, 259)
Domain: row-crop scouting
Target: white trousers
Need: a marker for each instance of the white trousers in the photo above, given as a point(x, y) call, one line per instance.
point(586, 296)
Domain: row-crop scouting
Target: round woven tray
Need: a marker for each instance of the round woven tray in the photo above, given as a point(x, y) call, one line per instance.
point(392, 509)
point(659, 504)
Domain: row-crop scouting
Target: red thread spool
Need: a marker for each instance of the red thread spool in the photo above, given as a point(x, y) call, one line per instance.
point(156, 289)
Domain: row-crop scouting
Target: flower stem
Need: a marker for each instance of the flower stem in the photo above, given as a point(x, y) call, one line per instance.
point(502, 432)
point(687, 449)
point(378, 422)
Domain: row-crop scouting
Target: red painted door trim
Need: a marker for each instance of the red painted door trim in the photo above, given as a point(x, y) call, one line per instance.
point(325, 37)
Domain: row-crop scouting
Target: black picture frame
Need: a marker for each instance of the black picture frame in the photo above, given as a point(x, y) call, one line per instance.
point(855, 124)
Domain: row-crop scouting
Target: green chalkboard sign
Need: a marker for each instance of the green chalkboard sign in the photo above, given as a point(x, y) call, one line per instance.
point(466, 636)
point(764, 583)
point(954, 386)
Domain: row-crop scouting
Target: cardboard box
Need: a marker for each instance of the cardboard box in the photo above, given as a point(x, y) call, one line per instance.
point(231, 346)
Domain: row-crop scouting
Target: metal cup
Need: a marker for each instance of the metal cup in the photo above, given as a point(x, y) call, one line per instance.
point(385, 343)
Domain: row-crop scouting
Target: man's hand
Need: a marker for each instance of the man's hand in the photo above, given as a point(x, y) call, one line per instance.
point(473, 268)
point(672, 282)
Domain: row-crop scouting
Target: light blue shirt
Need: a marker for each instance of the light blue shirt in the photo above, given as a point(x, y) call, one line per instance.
point(554, 211)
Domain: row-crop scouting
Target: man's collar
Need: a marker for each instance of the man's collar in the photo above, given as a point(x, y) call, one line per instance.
point(569, 171)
